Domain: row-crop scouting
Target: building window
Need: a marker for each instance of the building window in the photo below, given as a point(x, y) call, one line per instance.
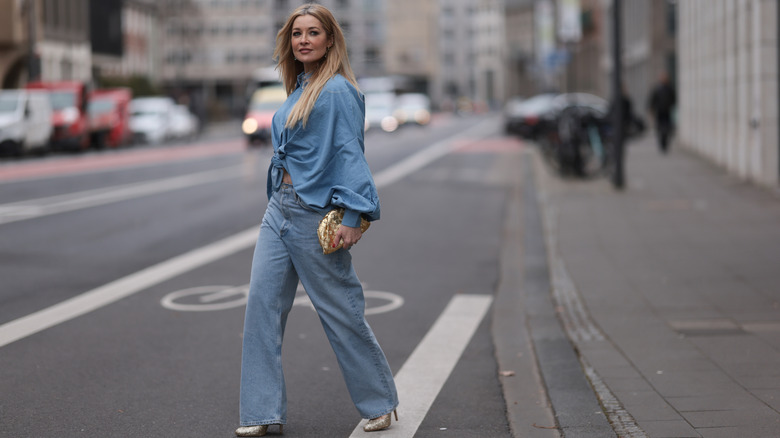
point(372, 55)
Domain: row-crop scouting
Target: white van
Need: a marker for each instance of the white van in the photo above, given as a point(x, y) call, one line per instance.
point(25, 121)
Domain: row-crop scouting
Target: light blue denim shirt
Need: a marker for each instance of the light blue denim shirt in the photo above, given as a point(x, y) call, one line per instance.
point(326, 160)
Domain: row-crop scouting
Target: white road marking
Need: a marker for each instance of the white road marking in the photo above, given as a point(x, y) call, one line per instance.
point(124, 287)
point(212, 298)
point(423, 375)
point(33, 208)
point(134, 283)
point(434, 152)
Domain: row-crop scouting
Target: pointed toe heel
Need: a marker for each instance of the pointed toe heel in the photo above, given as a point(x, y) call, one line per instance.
point(379, 423)
point(261, 430)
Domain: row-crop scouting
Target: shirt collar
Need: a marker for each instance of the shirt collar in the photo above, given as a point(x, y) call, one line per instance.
point(303, 77)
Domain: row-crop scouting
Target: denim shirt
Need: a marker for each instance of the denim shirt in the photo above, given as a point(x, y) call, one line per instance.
point(326, 160)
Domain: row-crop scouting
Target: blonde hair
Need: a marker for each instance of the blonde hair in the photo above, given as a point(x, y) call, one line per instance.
point(335, 61)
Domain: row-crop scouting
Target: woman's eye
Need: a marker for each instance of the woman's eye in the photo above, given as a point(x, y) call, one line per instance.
point(295, 34)
point(314, 33)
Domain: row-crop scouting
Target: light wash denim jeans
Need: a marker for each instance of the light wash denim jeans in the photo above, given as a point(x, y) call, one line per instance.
point(288, 250)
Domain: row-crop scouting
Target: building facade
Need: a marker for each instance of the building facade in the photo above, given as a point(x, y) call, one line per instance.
point(141, 54)
point(519, 48)
point(15, 42)
point(411, 44)
point(490, 51)
point(63, 46)
point(728, 85)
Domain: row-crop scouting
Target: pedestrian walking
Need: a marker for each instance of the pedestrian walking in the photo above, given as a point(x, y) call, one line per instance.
point(318, 164)
point(662, 100)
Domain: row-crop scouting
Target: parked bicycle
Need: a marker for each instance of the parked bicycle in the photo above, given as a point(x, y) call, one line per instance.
point(575, 136)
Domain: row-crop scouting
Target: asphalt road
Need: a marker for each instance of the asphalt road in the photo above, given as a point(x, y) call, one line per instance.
point(121, 289)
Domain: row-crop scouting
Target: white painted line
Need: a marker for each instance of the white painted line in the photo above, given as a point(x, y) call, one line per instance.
point(435, 151)
point(430, 365)
point(126, 286)
point(33, 208)
point(133, 283)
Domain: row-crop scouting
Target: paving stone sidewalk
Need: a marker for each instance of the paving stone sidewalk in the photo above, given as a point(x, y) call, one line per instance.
point(670, 290)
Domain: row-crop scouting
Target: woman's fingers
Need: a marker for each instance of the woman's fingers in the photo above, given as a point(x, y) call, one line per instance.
point(349, 235)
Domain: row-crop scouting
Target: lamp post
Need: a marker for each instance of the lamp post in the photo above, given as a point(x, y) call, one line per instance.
point(617, 101)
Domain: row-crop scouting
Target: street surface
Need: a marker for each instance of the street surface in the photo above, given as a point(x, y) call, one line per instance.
point(124, 273)
point(510, 302)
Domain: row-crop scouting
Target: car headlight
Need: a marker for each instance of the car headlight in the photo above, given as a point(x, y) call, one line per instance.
point(401, 116)
point(70, 115)
point(389, 124)
point(249, 126)
point(422, 117)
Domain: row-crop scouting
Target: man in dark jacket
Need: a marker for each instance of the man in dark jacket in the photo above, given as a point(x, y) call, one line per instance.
point(663, 98)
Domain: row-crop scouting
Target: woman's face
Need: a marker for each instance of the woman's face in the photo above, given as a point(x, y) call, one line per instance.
point(309, 41)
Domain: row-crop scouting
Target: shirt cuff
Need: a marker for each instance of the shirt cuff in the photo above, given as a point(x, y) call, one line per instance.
point(351, 218)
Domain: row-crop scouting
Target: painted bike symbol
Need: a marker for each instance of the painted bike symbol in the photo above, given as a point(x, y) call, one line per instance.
point(211, 298)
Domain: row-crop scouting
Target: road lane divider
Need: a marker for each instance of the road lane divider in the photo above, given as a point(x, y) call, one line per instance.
point(423, 375)
point(433, 152)
point(124, 287)
point(104, 295)
point(33, 208)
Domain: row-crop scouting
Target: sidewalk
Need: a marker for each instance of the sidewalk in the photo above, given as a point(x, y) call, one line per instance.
point(670, 292)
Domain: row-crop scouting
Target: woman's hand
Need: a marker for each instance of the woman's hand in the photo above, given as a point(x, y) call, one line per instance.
point(350, 235)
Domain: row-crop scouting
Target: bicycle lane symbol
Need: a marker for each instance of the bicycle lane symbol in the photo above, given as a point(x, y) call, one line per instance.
point(213, 298)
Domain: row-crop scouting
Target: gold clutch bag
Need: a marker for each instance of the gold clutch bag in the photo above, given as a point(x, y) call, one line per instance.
point(328, 226)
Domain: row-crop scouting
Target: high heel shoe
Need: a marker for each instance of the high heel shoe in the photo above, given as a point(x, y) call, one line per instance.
point(379, 423)
point(256, 430)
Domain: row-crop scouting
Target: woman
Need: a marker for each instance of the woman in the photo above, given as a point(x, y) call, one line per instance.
point(318, 165)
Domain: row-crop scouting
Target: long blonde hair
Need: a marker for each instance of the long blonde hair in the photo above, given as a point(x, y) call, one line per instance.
point(335, 61)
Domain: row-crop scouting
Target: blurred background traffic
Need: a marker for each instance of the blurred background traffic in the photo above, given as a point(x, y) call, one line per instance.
point(130, 72)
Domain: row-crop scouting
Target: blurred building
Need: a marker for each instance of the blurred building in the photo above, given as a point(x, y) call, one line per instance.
point(649, 46)
point(490, 52)
point(140, 56)
point(728, 85)
point(15, 19)
point(210, 50)
point(411, 43)
point(454, 82)
point(519, 48)
point(363, 23)
point(63, 44)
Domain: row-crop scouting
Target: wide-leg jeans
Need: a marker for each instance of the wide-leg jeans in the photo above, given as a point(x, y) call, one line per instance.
point(287, 251)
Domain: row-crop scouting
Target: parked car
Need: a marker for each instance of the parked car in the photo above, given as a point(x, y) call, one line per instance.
point(69, 117)
point(525, 118)
point(379, 111)
point(25, 121)
point(150, 119)
point(109, 117)
point(184, 124)
point(262, 106)
point(413, 108)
